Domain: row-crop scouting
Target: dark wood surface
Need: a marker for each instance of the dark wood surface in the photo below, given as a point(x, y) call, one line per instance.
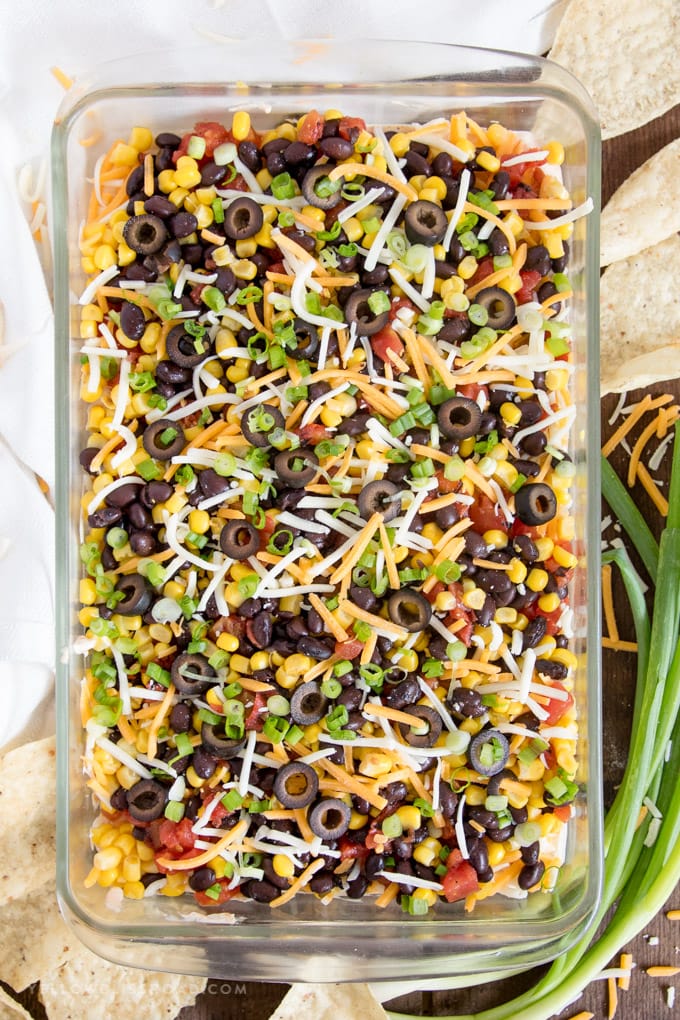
point(646, 999)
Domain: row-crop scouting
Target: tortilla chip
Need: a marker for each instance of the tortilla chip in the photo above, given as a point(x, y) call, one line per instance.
point(9, 1009)
point(87, 986)
point(33, 938)
point(27, 807)
point(646, 208)
point(329, 1002)
point(626, 54)
point(640, 319)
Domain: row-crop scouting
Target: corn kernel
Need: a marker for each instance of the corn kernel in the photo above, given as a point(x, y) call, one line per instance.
point(544, 548)
point(496, 853)
point(199, 521)
point(331, 419)
point(514, 223)
point(87, 591)
point(283, 866)
point(399, 144)
point(476, 795)
point(405, 658)
point(427, 852)
point(444, 602)
point(467, 267)
point(178, 195)
point(505, 472)
point(510, 413)
point(564, 557)
point(495, 538)
point(429, 195)
point(126, 777)
point(549, 603)
point(496, 134)
point(193, 777)
point(554, 244)
point(428, 895)
point(124, 155)
point(505, 615)
point(105, 256)
point(375, 764)
point(357, 821)
point(474, 599)
point(141, 138)
point(555, 153)
point(107, 878)
point(244, 269)
point(175, 885)
point(227, 642)
point(353, 229)
point(240, 126)
point(517, 572)
point(108, 858)
point(556, 379)
point(537, 579)
point(488, 161)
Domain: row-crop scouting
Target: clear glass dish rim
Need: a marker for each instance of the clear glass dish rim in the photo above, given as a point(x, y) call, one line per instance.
point(112, 80)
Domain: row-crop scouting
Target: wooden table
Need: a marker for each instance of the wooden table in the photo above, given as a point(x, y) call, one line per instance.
point(646, 998)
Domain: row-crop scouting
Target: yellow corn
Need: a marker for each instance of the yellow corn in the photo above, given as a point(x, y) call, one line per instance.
point(496, 538)
point(283, 866)
point(510, 413)
point(240, 126)
point(537, 579)
point(549, 603)
point(227, 642)
point(544, 547)
point(517, 572)
point(357, 821)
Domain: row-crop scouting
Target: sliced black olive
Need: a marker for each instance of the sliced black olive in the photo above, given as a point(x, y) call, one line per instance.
point(185, 350)
point(296, 784)
point(242, 219)
point(145, 234)
point(307, 704)
point(163, 439)
point(331, 190)
point(500, 307)
point(488, 752)
point(378, 496)
point(425, 223)
point(138, 595)
point(535, 503)
point(296, 468)
point(186, 668)
point(307, 341)
point(259, 421)
point(146, 800)
point(409, 609)
point(459, 417)
point(357, 310)
point(219, 744)
point(430, 718)
point(330, 818)
point(239, 540)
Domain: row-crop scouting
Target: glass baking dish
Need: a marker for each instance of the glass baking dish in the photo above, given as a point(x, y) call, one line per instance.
point(388, 84)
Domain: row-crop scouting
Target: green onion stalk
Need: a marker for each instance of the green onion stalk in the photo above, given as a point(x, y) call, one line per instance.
point(642, 867)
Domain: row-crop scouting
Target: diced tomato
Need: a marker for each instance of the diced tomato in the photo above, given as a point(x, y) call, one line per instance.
point(445, 485)
point(313, 433)
point(557, 707)
point(485, 516)
point(386, 340)
point(349, 649)
point(484, 269)
point(398, 304)
point(218, 813)
point(224, 895)
point(350, 850)
point(268, 530)
point(459, 881)
point(431, 595)
point(519, 169)
point(563, 812)
point(311, 128)
point(239, 184)
point(177, 836)
point(254, 720)
point(350, 128)
point(276, 267)
point(215, 134)
point(530, 279)
point(233, 624)
point(164, 869)
point(550, 761)
point(472, 391)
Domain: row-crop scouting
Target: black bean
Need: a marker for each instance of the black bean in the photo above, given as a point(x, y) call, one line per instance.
point(531, 412)
point(260, 629)
point(560, 264)
point(357, 887)
point(105, 517)
point(486, 614)
point(448, 800)
point(260, 891)
point(481, 816)
point(249, 154)
point(442, 165)
point(479, 856)
point(466, 702)
point(87, 456)
point(374, 277)
point(138, 516)
point(530, 853)
point(135, 181)
point(420, 148)
point(119, 799)
point(168, 371)
point(109, 562)
point(161, 206)
point(336, 148)
point(142, 543)
point(298, 152)
point(183, 223)
point(315, 647)
point(545, 291)
point(350, 698)
point(155, 492)
point(405, 693)
point(363, 597)
point(202, 879)
point(538, 259)
point(395, 793)
point(211, 174)
point(416, 163)
point(180, 718)
point(132, 320)
point(402, 850)
point(531, 875)
point(498, 242)
point(204, 763)
point(211, 483)
point(322, 882)
point(534, 632)
point(528, 468)
point(555, 670)
point(560, 640)
point(534, 443)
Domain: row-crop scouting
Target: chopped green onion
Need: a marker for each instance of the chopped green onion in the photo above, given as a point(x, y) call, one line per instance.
point(248, 585)
point(149, 470)
point(278, 705)
point(214, 299)
point(196, 147)
point(392, 827)
point(174, 810)
point(282, 186)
